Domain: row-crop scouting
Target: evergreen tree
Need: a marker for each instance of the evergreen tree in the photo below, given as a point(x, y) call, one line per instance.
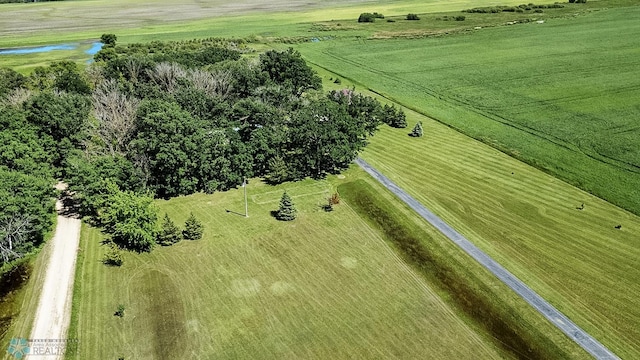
point(417, 130)
point(277, 170)
point(192, 228)
point(169, 233)
point(287, 210)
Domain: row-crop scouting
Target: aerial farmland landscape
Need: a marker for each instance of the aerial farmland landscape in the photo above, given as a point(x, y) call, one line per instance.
point(356, 179)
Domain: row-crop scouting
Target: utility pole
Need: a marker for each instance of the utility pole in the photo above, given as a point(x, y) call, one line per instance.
point(246, 204)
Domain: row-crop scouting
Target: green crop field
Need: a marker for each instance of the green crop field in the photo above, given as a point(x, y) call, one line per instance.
point(324, 285)
point(561, 95)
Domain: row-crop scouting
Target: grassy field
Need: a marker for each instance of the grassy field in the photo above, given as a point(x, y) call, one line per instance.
point(559, 95)
point(87, 19)
point(325, 285)
point(529, 222)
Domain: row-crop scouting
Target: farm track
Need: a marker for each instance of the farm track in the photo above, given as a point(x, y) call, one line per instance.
point(54, 307)
point(573, 331)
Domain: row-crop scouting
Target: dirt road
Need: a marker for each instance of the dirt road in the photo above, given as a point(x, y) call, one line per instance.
point(54, 307)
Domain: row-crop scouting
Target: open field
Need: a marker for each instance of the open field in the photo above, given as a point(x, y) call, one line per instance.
point(559, 95)
point(54, 22)
point(325, 285)
point(528, 222)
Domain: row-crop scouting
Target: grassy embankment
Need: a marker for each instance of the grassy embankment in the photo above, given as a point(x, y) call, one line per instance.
point(325, 285)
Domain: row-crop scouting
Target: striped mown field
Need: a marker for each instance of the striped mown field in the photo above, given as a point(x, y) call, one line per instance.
point(529, 222)
point(323, 286)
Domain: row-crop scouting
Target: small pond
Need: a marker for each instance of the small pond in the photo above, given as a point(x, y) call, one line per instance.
point(95, 47)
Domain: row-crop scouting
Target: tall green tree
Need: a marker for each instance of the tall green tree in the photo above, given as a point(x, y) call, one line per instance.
point(130, 219)
point(287, 210)
point(289, 69)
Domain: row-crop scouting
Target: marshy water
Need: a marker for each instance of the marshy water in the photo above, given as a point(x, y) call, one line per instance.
point(95, 47)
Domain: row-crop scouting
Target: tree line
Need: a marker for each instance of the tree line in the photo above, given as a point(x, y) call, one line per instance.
point(169, 119)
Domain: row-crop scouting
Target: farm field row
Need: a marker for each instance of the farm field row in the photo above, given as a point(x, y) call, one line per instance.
point(324, 285)
point(558, 95)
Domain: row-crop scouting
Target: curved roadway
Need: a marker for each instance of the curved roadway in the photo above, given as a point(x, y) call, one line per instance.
point(577, 334)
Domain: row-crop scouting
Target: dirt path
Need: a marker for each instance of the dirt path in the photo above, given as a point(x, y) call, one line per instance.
point(573, 331)
point(54, 307)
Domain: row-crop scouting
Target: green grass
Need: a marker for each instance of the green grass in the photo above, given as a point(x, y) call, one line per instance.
point(559, 95)
point(323, 286)
point(527, 221)
point(18, 309)
point(473, 290)
point(137, 21)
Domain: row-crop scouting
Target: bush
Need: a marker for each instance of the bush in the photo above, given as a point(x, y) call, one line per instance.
point(366, 18)
point(113, 256)
point(192, 228)
point(460, 18)
point(413, 17)
point(120, 311)
point(334, 199)
point(337, 81)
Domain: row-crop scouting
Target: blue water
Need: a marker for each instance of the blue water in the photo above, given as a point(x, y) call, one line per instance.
point(95, 47)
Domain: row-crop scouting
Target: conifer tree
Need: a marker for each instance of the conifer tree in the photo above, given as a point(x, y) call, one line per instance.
point(287, 210)
point(417, 130)
point(169, 233)
point(192, 228)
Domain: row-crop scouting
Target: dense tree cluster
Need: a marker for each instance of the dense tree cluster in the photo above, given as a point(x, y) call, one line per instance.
point(166, 119)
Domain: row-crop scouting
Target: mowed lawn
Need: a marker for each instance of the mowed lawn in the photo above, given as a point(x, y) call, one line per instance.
point(323, 286)
point(529, 222)
point(562, 95)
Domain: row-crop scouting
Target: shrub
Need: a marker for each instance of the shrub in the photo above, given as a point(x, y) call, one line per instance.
point(120, 311)
point(366, 18)
point(113, 256)
point(460, 18)
point(192, 228)
point(538, 11)
point(413, 17)
point(334, 199)
point(337, 81)
point(390, 20)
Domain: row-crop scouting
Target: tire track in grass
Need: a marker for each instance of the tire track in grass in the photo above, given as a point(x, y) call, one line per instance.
point(573, 331)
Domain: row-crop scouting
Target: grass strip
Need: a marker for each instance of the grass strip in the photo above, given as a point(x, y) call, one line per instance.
point(460, 281)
